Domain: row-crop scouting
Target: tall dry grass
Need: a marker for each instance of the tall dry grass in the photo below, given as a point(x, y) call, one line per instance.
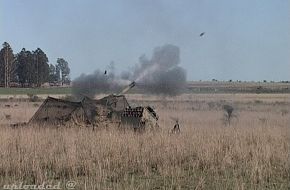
point(198, 158)
point(251, 154)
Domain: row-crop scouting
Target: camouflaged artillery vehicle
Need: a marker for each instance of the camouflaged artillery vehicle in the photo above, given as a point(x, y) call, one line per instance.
point(112, 110)
point(140, 117)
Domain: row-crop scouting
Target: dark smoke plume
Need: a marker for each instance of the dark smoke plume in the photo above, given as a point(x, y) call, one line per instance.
point(161, 74)
point(158, 75)
point(96, 83)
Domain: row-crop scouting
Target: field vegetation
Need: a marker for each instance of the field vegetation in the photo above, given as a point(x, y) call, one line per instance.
point(35, 91)
point(252, 152)
point(192, 87)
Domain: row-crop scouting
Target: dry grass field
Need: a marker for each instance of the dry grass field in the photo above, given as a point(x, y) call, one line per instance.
point(252, 153)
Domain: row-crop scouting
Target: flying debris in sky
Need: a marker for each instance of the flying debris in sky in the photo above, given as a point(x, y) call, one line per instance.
point(201, 34)
point(105, 72)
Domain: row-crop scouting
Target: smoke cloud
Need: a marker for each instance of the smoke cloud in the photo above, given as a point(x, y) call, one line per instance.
point(159, 75)
point(98, 82)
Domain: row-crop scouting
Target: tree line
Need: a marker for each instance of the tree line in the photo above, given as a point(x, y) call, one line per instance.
point(30, 68)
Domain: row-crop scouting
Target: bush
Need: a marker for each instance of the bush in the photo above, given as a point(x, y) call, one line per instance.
point(33, 98)
point(228, 115)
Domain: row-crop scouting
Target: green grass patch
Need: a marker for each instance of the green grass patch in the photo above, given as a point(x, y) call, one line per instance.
point(36, 91)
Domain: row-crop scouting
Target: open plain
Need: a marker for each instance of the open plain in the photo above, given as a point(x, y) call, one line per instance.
point(250, 153)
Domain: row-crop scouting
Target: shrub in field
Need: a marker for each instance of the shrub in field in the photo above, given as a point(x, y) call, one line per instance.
point(35, 105)
point(33, 98)
point(228, 114)
point(284, 112)
point(7, 116)
point(211, 105)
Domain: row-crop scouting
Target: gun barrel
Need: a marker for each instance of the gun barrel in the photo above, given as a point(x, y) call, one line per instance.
point(131, 85)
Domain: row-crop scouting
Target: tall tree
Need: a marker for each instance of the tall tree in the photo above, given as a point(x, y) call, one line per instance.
point(7, 65)
point(53, 76)
point(40, 65)
point(25, 71)
point(57, 73)
point(65, 70)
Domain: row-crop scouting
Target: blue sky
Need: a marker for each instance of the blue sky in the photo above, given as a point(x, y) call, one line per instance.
point(244, 39)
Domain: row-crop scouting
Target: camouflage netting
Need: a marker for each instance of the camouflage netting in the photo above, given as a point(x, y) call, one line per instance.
point(56, 111)
point(114, 102)
point(60, 112)
point(110, 110)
